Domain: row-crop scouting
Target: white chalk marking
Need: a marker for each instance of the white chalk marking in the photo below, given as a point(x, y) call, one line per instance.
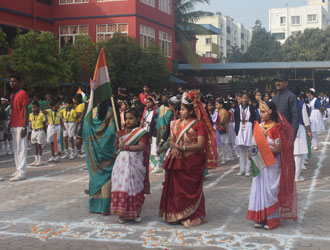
point(317, 171)
point(214, 183)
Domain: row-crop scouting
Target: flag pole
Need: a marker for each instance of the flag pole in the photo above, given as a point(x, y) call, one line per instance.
point(114, 112)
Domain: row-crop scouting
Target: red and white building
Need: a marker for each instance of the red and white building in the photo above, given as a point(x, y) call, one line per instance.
point(146, 20)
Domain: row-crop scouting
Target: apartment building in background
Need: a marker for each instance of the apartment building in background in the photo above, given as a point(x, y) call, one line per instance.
point(146, 20)
point(286, 22)
point(232, 34)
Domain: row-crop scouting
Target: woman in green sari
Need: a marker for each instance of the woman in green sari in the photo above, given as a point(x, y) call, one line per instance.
point(99, 140)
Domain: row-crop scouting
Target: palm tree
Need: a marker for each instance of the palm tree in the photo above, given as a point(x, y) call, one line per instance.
point(186, 29)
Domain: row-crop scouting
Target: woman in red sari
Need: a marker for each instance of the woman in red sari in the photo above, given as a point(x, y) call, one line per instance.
point(193, 148)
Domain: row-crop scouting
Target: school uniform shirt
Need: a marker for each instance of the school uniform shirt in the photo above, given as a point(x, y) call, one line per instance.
point(37, 120)
point(54, 117)
point(80, 109)
point(69, 115)
point(19, 99)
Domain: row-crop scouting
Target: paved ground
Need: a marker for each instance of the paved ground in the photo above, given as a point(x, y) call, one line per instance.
point(49, 211)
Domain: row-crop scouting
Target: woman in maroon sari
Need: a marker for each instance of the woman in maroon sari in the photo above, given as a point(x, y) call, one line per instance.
point(193, 148)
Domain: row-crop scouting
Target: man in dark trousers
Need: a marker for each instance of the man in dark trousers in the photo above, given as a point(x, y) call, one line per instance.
point(286, 101)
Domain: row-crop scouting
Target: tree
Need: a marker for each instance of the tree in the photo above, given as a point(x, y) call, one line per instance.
point(153, 68)
point(234, 54)
point(131, 66)
point(36, 59)
point(81, 58)
point(186, 29)
point(311, 45)
point(3, 53)
point(263, 46)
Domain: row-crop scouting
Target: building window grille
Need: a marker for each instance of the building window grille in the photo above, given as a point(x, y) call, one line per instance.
point(147, 36)
point(165, 6)
point(106, 31)
point(68, 34)
point(149, 2)
point(165, 42)
point(72, 1)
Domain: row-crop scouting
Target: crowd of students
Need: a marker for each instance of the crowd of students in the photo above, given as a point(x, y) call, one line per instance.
point(184, 133)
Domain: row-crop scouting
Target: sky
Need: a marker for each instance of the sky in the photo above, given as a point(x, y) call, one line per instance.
point(247, 11)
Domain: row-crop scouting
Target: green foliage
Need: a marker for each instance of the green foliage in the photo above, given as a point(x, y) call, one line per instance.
point(311, 45)
point(131, 66)
point(263, 46)
point(3, 43)
point(36, 59)
point(234, 54)
point(81, 58)
point(153, 70)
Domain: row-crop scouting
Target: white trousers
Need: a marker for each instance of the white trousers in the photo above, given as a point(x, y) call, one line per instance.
point(299, 161)
point(315, 140)
point(19, 150)
point(244, 163)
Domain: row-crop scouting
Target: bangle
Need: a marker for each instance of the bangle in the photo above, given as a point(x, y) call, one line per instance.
point(127, 148)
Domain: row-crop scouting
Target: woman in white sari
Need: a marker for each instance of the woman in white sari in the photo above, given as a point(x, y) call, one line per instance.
point(130, 173)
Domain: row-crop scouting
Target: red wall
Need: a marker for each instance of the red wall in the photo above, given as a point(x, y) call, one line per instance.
point(132, 12)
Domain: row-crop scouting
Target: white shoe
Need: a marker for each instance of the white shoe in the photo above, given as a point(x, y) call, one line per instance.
point(258, 225)
point(267, 227)
point(38, 164)
point(34, 163)
point(17, 178)
point(121, 221)
point(72, 156)
point(2, 179)
point(82, 155)
point(315, 149)
point(138, 219)
point(56, 159)
point(223, 163)
point(10, 152)
point(156, 170)
point(247, 174)
point(239, 174)
point(51, 159)
point(13, 174)
point(66, 155)
point(304, 167)
point(299, 179)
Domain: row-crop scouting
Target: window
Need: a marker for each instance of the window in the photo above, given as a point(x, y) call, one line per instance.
point(68, 33)
point(242, 36)
point(242, 48)
point(228, 43)
point(48, 2)
point(147, 36)
point(148, 2)
point(165, 6)
point(294, 33)
point(228, 30)
point(208, 54)
point(106, 31)
point(165, 42)
point(295, 20)
point(208, 40)
point(279, 36)
point(282, 20)
point(72, 1)
point(311, 18)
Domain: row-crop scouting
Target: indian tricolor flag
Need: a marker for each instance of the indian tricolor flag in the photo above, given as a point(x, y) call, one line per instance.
point(101, 88)
point(262, 155)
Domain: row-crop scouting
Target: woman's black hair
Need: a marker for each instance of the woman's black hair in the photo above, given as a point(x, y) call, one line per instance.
point(151, 100)
point(102, 110)
point(274, 115)
point(245, 93)
point(35, 103)
point(220, 101)
point(190, 107)
point(68, 100)
point(135, 113)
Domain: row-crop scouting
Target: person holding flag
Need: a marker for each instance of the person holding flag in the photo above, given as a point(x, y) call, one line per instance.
point(273, 193)
point(99, 136)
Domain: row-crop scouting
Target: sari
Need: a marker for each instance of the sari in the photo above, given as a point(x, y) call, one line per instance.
point(130, 176)
point(182, 197)
point(99, 140)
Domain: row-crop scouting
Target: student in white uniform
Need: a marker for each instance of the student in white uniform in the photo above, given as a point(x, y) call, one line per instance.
point(316, 117)
point(245, 116)
point(300, 143)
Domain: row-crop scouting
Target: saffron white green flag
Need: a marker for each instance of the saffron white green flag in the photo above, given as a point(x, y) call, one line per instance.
point(261, 153)
point(101, 87)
